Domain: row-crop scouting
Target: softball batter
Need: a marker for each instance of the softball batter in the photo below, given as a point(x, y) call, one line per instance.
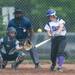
point(57, 31)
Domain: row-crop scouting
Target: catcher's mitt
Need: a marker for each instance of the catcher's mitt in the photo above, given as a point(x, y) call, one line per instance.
point(27, 45)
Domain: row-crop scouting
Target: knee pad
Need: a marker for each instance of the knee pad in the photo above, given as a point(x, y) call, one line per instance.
point(21, 57)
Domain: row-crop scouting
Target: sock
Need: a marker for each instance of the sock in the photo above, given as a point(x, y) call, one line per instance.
point(60, 61)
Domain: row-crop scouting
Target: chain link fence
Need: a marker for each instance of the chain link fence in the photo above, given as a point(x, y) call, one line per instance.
point(36, 10)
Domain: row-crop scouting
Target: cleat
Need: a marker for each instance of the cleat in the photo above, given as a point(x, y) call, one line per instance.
point(59, 69)
point(52, 68)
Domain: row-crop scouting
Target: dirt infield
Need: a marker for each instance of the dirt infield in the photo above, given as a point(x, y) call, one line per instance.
point(28, 69)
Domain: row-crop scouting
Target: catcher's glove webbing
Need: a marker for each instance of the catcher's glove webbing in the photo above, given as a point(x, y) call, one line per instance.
point(27, 45)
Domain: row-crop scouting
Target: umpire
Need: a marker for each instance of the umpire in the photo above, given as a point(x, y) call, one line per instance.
point(24, 30)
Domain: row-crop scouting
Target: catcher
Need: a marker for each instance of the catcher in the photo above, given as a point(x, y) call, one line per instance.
point(8, 43)
point(24, 31)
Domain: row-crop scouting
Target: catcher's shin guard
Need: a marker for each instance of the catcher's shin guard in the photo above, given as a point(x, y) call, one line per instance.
point(18, 61)
point(3, 65)
point(15, 65)
point(1, 62)
point(21, 56)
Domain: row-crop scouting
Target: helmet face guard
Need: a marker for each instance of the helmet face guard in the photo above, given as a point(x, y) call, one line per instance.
point(11, 32)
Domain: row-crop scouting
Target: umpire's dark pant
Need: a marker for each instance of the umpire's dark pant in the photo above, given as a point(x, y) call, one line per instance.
point(34, 55)
point(57, 47)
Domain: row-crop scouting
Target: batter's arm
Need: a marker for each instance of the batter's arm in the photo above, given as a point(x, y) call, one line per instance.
point(49, 33)
point(61, 25)
point(60, 28)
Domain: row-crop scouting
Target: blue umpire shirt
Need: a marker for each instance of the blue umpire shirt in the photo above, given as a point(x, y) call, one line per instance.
point(21, 26)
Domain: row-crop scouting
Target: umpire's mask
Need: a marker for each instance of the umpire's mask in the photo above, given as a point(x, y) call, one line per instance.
point(18, 13)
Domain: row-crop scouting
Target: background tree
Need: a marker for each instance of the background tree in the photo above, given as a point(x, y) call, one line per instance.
point(36, 11)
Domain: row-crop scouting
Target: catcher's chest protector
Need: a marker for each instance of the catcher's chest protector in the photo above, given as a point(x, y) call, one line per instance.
point(8, 44)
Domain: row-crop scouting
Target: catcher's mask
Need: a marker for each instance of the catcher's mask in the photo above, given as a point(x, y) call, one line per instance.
point(11, 32)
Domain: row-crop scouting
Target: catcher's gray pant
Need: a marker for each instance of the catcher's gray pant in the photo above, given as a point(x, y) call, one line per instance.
point(17, 56)
point(34, 55)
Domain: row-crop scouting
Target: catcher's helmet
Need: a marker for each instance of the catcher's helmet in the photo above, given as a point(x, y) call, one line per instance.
point(51, 12)
point(11, 29)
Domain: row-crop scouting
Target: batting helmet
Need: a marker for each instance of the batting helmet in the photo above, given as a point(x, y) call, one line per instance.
point(51, 12)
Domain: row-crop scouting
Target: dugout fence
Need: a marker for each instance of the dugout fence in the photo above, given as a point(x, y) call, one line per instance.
point(36, 10)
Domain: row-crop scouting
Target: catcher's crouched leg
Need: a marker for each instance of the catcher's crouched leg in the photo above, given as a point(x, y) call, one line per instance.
point(3, 63)
point(19, 60)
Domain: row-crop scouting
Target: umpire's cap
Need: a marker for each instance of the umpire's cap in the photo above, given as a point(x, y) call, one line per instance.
point(51, 12)
point(18, 11)
point(11, 29)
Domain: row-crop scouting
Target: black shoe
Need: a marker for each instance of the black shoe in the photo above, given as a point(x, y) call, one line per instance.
point(52, 68)
point(59, 69)
point(2, 66)
point(37, 66)
point(14, 66)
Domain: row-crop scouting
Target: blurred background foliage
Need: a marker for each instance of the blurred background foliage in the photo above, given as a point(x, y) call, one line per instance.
point(36, 11)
